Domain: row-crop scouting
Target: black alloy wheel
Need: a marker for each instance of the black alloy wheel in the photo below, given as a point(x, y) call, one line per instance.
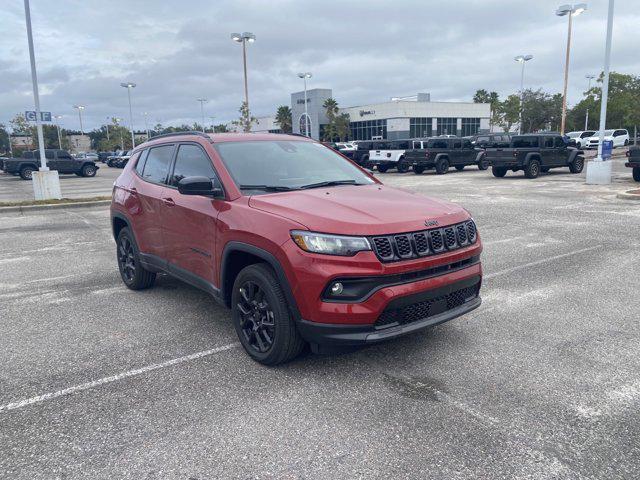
point(257, 318)
point(126, 259)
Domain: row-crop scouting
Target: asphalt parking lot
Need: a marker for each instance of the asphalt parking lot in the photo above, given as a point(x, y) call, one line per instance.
point(542, 381)
point(13, 188)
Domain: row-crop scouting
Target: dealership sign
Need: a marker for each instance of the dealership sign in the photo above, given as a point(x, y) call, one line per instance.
point(31, 116)
point(367, 112)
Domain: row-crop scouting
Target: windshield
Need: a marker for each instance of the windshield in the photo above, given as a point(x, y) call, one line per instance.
point(608, 133)
point(573, 134)
point(272, 165)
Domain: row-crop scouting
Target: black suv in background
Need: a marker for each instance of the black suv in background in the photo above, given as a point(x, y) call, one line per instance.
point(533, 154)
point(59, 160)
point(442, 153)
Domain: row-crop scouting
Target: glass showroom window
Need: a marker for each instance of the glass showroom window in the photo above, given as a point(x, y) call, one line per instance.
point(470, 126)
point(420, 127)
point(305, 125)
point(368, 129)
point(447, 126)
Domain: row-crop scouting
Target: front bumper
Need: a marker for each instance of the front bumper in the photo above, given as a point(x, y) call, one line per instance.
point(378, 161)
point(407, 314)
point(632, 164)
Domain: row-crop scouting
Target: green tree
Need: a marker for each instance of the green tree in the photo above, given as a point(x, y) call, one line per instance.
point(20, 125)
point(220, 128)
point(331, 112)
point(541, 111)
point(509, 112)
point(283, 118)
point(343, 126)
point(246, 119)
point(5, 141)
point(493, 99)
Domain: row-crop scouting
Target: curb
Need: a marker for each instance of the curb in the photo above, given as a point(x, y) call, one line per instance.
point(54, 206)
point(629, 196)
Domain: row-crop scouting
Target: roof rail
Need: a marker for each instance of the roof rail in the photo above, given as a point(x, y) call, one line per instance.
point(172, 134)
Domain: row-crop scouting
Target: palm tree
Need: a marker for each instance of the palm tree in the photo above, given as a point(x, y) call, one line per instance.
point(283, 118)
point(331, 109)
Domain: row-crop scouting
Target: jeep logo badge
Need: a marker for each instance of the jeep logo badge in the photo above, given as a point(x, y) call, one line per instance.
point(431, 223)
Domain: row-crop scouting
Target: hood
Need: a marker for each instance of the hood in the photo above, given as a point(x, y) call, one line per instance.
point(359, 210)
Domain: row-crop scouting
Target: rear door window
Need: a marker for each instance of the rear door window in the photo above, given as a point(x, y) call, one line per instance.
point(525, 142)
point(457, 144)
point(438, 143)
point(156, 167)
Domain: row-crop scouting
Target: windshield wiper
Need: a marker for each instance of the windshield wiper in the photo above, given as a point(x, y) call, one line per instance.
point(268, 188)
point(330, 183)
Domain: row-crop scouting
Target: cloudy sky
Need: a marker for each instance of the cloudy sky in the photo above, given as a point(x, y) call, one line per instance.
point(366, 51)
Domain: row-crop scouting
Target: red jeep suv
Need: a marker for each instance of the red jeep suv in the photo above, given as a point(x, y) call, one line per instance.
point(303, 245)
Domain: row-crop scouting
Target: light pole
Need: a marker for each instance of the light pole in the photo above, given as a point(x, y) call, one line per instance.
point(586, 118)
point(571, 11)
point(146, 125)
point(117, 122)
point(108, 128)
point(522, 59)
point(307, 123)
point(58, 117)
point(80, 109)
point(46, 183)
point(202, 102)
point(243, 38)
point(129, 86)
point(213, 124)
point(599, 171)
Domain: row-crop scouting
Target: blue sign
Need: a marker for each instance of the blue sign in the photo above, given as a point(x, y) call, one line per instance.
point(607, 148)
point(30, 116)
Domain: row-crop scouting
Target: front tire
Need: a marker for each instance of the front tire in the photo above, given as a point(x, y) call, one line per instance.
point(133, 274)
point(383, 168)
point(442, 166)
point(483, 164)
point(577, 165)
point(499, 172)
point(636, 174)
point(403, 166)
point(88, 171)
point(261, 317)
point(532, 170)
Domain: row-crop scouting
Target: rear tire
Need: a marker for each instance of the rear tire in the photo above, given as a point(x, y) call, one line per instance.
point(383, 168)
point(133, 274)
point(418, 170)
point(499, 172)
point(403, 166)
point(577, 165)
point(26, 173)
point(483, 164)
point(262, 318)
point(442, 166)
point(532, 170)
point(88, 171)
point(636, 174)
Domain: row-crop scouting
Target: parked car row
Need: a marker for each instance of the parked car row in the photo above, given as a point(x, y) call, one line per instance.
point(590, 138)
point(60, 160)
point(119, 160)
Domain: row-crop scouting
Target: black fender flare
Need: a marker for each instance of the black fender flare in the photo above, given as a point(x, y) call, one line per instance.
point(270, 259)
point(479, 156)
point(573, 155)
point(440, 156)
point(531, 156)
point(123, 217)
point(21, 165)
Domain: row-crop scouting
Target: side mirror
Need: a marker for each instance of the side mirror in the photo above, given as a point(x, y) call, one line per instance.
point(200, 186)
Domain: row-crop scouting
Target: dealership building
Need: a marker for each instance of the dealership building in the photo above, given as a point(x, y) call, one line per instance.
point(406, 117)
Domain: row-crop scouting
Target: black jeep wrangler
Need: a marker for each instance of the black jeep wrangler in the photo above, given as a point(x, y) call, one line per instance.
point(633, 154)
point(59, 160)
point(535, 153)
point(442, 153)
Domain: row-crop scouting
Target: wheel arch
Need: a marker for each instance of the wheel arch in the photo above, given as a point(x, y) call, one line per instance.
point(238, 255)
point(532, 156)
point(118, 222)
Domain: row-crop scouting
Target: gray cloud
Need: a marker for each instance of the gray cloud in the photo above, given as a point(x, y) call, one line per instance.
point(366, 51)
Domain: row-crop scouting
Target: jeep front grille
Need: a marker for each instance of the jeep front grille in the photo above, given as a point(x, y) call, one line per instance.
point(391, 248)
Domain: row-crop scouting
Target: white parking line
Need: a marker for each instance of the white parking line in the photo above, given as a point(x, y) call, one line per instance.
point(539, 262)
point(114, 378)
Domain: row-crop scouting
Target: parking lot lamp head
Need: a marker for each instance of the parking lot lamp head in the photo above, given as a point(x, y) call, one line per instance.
point(522, 59)
point(129, 86)
point(569, 11)
point(202, 102)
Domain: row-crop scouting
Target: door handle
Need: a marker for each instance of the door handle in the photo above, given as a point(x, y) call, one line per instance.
point(169, 202)
point(133, 191)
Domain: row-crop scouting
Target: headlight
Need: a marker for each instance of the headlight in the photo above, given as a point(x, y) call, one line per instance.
point(329, 244)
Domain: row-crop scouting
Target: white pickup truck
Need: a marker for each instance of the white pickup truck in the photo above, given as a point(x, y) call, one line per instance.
point(390, 154)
